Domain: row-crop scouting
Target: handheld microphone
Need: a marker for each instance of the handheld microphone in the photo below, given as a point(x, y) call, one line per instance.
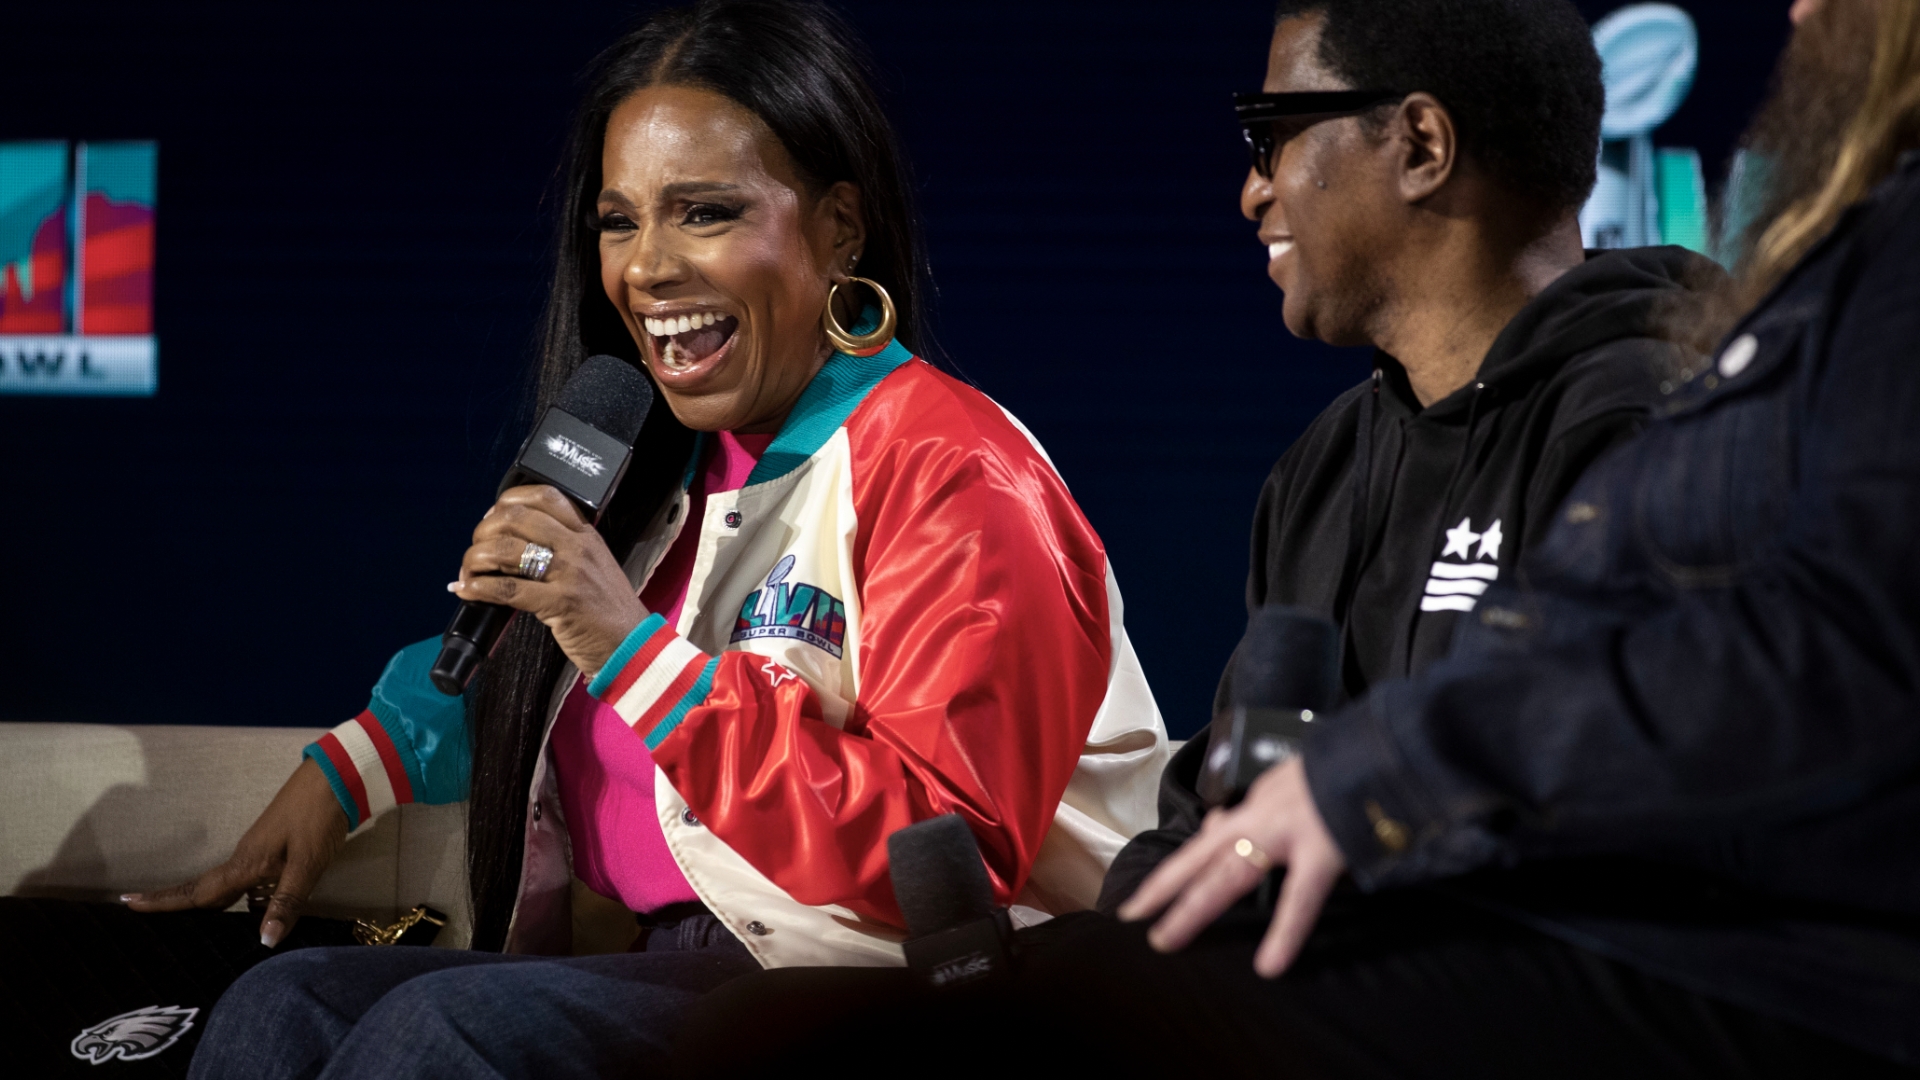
point(957, 934)
point(1285, 674)
point(582, 446)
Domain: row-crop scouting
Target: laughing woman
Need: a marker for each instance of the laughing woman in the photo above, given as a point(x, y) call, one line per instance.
point(840, 592)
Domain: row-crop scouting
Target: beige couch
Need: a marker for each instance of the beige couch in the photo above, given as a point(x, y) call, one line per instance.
point(89, 811)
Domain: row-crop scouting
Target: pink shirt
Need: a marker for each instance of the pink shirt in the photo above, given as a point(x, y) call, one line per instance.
point(605, 772)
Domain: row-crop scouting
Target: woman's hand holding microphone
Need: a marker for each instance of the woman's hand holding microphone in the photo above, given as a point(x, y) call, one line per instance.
point(581, 594)
point(577, 589)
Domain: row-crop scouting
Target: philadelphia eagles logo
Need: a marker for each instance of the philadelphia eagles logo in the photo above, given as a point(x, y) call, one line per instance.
point(135, 1035)
point(783, 609)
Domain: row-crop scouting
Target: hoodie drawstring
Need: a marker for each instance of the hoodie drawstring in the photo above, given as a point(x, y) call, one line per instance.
point(1446, 502)
point(1362, 481)
point(1466, 448)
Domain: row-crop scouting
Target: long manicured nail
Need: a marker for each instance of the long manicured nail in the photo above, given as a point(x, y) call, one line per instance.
point(453, 586)
point(271, 932)
point(128, 898)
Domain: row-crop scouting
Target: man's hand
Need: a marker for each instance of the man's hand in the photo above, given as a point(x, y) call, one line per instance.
point(1283, 828)
point(585, 597)
point(282, 857)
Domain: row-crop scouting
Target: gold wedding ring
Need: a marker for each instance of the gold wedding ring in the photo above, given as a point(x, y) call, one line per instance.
point(1244, 848)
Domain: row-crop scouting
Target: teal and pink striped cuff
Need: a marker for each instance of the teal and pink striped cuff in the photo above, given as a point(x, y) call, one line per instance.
point(369, 773)
point(654, 679)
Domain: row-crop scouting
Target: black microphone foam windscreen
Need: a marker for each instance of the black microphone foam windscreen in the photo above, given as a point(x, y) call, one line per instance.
point(609, 394)
point(938, 877)
point(581, 446)
point(1288, 660)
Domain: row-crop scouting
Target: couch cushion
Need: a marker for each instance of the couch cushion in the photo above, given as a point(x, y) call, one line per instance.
point(89, 811)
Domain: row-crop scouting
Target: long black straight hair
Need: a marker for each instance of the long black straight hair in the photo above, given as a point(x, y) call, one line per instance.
point(799, 68)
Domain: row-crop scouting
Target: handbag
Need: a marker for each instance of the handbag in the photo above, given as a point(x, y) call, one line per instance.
point(102, 991)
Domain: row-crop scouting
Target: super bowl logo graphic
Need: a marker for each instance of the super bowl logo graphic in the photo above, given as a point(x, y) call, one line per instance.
point(1645, 194)
point(783, 609)
point(76, 267)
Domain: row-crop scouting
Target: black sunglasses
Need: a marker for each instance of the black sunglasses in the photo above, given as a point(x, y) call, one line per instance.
point(1261, 115)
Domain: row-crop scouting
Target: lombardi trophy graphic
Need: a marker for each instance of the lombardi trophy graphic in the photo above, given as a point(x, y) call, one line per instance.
point(1645, 196)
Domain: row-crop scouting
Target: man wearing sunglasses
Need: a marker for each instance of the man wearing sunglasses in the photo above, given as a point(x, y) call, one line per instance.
point(1417, 174)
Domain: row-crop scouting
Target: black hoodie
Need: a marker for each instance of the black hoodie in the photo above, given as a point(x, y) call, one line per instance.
point(1454, 492)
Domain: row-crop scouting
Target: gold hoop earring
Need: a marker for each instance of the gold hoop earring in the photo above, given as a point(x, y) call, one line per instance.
point(860, 344)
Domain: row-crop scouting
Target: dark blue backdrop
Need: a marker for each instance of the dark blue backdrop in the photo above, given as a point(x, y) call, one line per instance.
point(350, 261)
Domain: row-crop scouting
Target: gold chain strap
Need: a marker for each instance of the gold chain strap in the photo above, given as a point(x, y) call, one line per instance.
point(372, 933)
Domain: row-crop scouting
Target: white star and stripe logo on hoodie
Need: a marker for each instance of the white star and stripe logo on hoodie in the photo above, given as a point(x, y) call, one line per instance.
point(1457, 586)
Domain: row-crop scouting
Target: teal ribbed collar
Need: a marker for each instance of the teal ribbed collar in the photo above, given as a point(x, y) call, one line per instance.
point(841, 385)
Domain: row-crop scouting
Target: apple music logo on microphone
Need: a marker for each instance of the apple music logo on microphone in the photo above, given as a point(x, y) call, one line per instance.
point(575, 455)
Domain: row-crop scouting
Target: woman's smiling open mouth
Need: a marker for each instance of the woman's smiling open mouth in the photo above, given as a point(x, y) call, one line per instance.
point(681, 342)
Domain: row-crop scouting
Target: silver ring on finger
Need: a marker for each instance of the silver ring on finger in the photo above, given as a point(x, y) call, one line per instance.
point(535, 560)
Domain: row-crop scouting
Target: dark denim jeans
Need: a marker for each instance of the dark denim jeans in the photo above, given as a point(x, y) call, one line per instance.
point(371, 1013)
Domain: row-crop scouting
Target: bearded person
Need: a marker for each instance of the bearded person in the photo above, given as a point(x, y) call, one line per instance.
point(1789, 152)
point(1657, 814)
